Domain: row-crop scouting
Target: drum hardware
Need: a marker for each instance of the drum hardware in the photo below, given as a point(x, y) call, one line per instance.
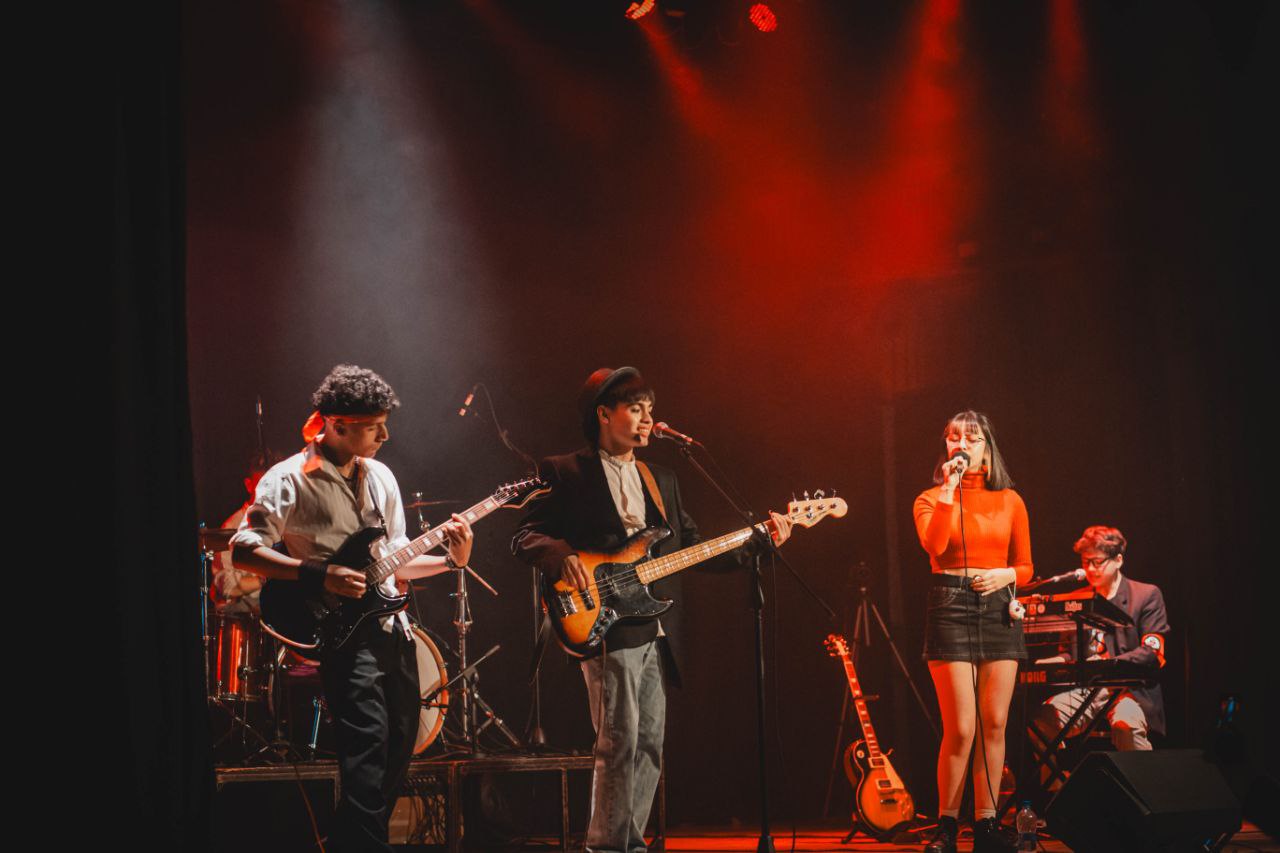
point(215, 539)
point(318, 711)
point(467, 679)
point(468, 686)
point(292, 670)
point(419, 502)
point(242, 663)
point(433, 687)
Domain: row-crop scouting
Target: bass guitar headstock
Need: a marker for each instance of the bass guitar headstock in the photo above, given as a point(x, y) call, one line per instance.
point(810, 511)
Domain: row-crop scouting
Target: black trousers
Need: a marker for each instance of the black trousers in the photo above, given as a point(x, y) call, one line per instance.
point(371, 687)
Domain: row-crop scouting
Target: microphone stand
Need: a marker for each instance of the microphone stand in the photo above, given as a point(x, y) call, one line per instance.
point(535, 736)
point(764, 843)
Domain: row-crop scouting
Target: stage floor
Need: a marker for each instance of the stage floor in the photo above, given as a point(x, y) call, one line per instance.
point(812, 839)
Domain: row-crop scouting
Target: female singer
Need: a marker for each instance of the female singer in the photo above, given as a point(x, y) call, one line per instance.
point(974, 528)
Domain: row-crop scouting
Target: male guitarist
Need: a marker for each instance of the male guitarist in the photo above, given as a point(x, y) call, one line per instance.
point(600, 496)
point(312, 502)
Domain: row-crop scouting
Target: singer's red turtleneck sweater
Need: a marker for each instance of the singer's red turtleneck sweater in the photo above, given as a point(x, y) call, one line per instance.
point(995, 528)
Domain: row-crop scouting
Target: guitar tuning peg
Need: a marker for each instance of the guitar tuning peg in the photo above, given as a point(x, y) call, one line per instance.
point(833, 493)
point(819, 495)
point(806, 494)
point(793, 497)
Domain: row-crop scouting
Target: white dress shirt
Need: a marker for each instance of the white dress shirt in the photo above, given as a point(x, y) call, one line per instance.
point(624, 485)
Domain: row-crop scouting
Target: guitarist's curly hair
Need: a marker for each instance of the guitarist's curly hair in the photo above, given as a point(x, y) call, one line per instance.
point(351, 390)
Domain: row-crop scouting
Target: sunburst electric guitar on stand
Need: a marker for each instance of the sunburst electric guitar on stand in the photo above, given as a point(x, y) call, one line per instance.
point(620, 579)
point(882, 802)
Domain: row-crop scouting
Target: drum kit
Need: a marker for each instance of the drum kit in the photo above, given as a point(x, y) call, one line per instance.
point(265, 688)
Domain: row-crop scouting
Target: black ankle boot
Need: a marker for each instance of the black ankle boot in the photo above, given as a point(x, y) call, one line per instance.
point(987, 838)
point(944, 837)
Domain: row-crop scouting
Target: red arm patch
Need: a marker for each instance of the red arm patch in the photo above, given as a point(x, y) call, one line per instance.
point(1155, 642)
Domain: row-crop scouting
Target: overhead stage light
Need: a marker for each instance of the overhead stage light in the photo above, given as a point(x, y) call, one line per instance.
point(762, 16)
point(640, 8)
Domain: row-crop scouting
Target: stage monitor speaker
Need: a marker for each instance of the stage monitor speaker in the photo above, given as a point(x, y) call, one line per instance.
point(1168, 800)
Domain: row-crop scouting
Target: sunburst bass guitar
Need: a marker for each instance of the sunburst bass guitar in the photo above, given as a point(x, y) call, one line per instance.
point(883, 802)
point(620, 579)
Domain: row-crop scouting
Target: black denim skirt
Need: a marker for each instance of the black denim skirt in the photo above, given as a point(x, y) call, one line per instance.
point(963, 625)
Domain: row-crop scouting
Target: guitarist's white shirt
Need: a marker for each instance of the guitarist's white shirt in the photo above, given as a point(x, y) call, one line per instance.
point(305, 503)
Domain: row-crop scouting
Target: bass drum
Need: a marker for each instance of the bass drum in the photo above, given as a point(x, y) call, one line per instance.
point(431, 675)
point(302, 674)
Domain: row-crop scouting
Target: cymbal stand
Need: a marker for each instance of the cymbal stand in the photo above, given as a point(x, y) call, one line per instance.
point(469, 687)
point(206, 572)
point(470, 693)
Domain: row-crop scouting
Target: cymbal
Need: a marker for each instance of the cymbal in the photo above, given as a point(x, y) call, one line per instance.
point(216, 538)
point(418, 504)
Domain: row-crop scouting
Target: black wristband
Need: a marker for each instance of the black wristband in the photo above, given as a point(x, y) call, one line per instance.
point(312, 574)
point(451, 563)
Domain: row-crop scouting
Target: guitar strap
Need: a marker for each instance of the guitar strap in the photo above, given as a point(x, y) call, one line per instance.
point(652, 485)
point(373, 499)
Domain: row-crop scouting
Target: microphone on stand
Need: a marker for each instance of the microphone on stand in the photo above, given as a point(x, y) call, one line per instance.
point(1074, 575)
point(661, 430)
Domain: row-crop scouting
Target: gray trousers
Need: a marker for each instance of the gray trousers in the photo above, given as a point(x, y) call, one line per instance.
point(629, 711)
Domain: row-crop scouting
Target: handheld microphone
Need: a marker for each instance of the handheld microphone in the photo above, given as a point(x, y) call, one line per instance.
point(964, 461)
point(466, 404)
point(661, 430)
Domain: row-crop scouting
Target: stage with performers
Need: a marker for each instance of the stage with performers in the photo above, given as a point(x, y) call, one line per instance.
point(684, 424)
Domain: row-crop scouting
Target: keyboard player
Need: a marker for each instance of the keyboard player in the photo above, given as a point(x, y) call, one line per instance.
point(1139, 710)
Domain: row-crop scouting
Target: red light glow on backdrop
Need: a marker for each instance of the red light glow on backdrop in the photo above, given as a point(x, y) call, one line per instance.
point(1067, 97)
point(579, 106)
point(785, 209)
point(910, 209)
point(684, 81)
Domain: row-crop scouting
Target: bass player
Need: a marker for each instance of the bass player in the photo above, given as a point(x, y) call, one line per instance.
point(600, 496)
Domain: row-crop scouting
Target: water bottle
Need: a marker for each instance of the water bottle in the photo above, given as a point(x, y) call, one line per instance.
point(1027, 823)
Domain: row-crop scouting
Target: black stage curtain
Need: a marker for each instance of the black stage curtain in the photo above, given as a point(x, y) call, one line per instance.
point(159, 787)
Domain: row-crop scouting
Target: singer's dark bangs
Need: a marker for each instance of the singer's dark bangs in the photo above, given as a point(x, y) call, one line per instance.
point(968, 422)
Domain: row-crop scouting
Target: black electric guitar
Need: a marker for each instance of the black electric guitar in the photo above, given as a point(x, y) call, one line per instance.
point(882, 801)
point(619, 587)
point(317, 624)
